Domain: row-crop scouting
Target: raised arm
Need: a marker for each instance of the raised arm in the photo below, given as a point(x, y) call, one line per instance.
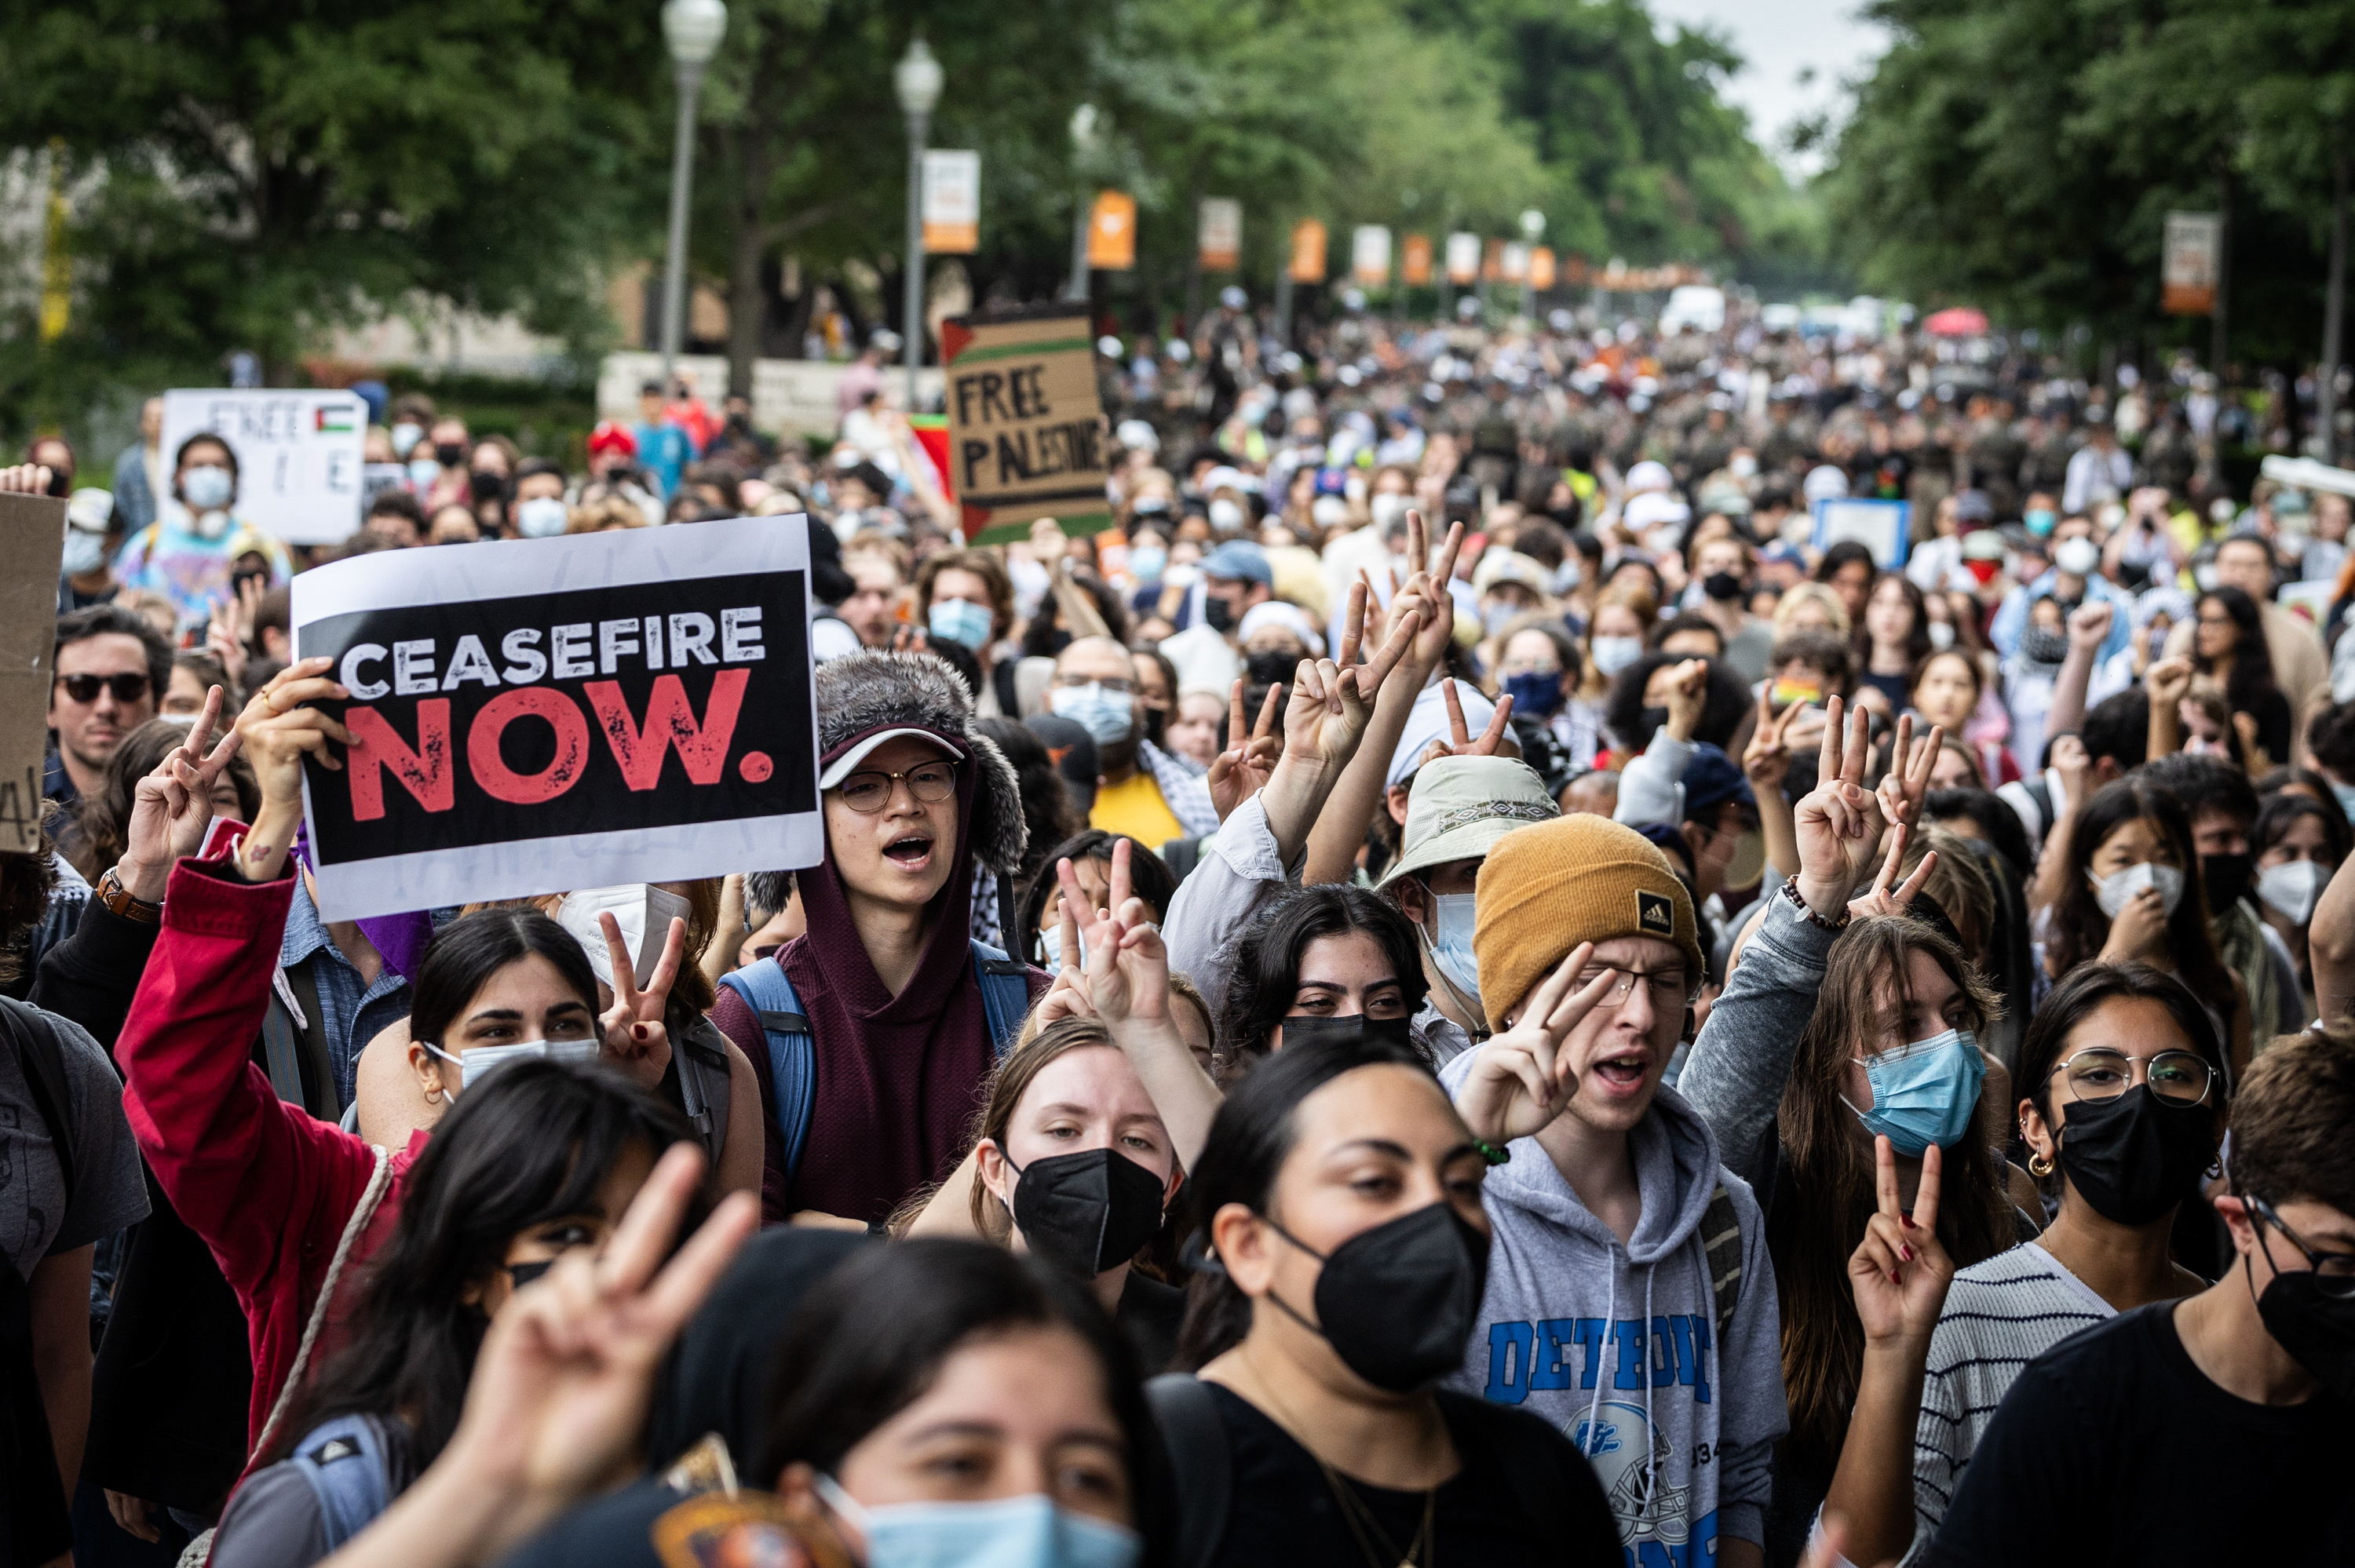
point(1340, 829)
point(2089, 625)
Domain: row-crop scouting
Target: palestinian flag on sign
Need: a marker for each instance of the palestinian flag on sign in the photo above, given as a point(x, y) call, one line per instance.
point(333, 420)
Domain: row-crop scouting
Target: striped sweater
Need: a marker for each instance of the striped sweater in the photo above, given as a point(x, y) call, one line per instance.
point(1999, 1316)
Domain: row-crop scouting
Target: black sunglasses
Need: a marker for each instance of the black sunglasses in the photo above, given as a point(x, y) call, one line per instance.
point(127, 689)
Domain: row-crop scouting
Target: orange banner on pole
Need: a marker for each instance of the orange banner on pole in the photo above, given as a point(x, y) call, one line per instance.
point(1542, 268)
point(1111, 232)
point(1492, 260)
point(1415, 265)
point(1307, 251)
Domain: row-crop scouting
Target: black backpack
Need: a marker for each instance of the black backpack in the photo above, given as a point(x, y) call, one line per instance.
point(34, 1524)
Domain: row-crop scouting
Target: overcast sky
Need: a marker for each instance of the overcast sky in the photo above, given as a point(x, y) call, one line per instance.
point(1780, 40)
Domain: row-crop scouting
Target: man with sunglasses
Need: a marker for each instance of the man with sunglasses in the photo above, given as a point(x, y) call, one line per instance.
point(2217, 1428)
point(108, 668)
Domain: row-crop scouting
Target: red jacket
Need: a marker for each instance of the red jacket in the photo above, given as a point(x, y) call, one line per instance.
point(267, 1186)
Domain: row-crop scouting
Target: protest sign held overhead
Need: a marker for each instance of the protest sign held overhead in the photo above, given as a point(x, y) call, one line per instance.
point(1025, 429)
point(550, 714)
point(298, 455)
point(32, 531)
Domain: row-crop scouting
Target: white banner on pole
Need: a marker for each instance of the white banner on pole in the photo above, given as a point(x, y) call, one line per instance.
point(952, 202)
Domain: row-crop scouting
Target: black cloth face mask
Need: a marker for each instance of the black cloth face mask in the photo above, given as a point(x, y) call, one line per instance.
point(1398, 1303)
point(2136, 1157)
point(1218, 613)
point(1272, 667)
point(1088, 1212)
point(2227, 878)
point(1354, 1029)
point(2317, 1331)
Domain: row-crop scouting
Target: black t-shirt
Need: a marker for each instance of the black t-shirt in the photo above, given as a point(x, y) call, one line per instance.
point(1283, 1514)
point(2114, 1447)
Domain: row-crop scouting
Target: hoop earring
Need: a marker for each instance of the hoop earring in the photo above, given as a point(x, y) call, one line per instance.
point(2039, 1167)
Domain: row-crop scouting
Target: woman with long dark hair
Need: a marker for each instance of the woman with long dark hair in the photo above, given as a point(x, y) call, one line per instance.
point(106, 815)
point(542, 1157)
point(287, 1203)
point(1340, 1196)
point(2131, 893)
point(1893, 640)
point(1333, 953)
point(2228, 646)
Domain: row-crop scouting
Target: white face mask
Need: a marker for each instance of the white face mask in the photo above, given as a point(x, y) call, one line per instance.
point(2077, 557)
point(84, 552)
point(1613, 654)
point(405, 435)
point(1942, 634)
point(1451, 940)
point(479, 1063)
point(2293, 889)
point(542, 517)
point(643, 911)
point(1388, 508)
point(1226, 516)
point(2113, 894)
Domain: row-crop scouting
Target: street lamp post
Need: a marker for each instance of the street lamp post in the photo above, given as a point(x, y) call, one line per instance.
point(693, 29)
point(1083, 139)
point(1532, 230)
point(917, 79)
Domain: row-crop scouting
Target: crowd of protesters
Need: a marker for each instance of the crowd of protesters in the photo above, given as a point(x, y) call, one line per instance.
point(1471, 978)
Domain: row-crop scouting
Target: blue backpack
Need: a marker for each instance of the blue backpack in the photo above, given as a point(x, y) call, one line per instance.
point(793, 1058)
point(345, 1463)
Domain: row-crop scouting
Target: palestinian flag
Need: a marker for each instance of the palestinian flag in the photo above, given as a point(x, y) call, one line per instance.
point(335, 419)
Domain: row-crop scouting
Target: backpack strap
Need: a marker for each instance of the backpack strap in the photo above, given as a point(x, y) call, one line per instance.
point(282, 1051)
point(310, 1018)
point(345, 1462)
point(1720, 1241)
point(702, 1057)
point(1201, 1465)
point(793, 1057)
point(1005, 994)
point(43, 1059)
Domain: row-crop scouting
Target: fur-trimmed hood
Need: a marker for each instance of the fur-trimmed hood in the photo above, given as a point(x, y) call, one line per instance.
point(872, 690)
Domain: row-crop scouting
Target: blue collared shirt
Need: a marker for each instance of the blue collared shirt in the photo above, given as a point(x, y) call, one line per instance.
point(355, 1012)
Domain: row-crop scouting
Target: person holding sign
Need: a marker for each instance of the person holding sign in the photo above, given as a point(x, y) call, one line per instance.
point(873, 1031)
point(197, 541)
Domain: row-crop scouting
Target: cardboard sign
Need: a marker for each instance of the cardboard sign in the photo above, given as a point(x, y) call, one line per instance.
point(1370, 255)
point(952, 203)
point(298, 455)
point(542, 715)
point(1414, 268)
point(1111, 232)
point(1463, 257)
point(1884, 527)
point(2189, 261)
point(33, 532)
point(1219, 226)
point(1025, 429)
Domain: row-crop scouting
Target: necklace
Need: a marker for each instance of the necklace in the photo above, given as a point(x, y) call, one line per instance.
point(1422, 1550)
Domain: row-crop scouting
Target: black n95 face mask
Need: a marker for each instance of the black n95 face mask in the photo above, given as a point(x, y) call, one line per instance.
point(1087, 1212)
point(1397, 1302)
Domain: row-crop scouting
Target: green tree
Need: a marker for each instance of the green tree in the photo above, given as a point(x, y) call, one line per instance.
point(259, 173)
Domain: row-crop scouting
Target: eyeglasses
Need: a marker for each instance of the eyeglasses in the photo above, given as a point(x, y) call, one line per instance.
point(127, 689)
point(1666, 986)
point(1114, 684)
point(2178, 1077)
point(2334, 1272)
point(868, 793)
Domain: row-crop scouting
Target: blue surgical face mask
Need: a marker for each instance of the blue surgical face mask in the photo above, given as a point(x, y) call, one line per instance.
point(1148, 562)
point(207, 487)
point(1051, 946)
point(542, 517)
point(405, 435)
point(84, 552)
point(1535, 693)
point(1108, 717)
point(2040, 520)
point(1027, 1531)
point(1923, 1093)
point(960, 620)
point(2345, 793)
point(1451, 940)
point(423, 470)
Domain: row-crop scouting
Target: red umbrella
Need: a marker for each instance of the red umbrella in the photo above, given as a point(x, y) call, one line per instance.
point(1956, 321)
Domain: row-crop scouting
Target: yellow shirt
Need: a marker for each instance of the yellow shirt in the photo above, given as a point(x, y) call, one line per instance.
point(1134, 807)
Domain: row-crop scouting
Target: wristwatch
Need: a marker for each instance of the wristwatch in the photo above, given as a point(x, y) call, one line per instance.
point(115, 897)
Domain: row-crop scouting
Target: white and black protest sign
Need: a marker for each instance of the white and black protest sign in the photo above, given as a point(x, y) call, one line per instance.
point(32, 529)
point(298, 455)
point(543, 714)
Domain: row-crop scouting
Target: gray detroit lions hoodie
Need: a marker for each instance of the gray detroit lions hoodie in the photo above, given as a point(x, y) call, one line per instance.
point(1619, 1345)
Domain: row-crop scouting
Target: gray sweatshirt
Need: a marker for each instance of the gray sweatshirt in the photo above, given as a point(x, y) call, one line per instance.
point(1735, 1074)
point(1619, 1345)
